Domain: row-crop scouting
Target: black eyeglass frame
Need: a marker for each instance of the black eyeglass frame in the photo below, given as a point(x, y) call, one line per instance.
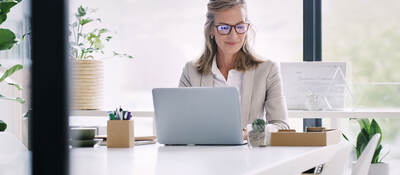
point(232, 26)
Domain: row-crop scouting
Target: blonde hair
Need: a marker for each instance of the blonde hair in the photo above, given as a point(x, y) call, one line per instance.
point(244, 60)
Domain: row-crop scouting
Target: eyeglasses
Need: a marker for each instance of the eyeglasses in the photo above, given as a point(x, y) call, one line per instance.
point(225, 29)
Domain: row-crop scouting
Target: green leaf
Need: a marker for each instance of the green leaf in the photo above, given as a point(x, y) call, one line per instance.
point(5, 7)
point(345, 137)
point(18, 99)
point(15, 85)
point(7, 39)
point(364, 123)
point(122, 55)
point(10, 71)
point(85, 21)
point(375, 129)
point(81, 12)
point(376, 154)
point(360, 150)
point(362, 141)
point(3, 126)
point(103, 30)
point(91, 36)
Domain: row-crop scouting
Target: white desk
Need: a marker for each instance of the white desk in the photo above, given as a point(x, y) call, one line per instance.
point(159, 159)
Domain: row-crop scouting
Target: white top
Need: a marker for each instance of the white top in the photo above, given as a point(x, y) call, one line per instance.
point(234, 79)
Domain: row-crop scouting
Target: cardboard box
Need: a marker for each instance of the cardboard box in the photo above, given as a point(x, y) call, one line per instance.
point(120, 134)
point(313, 137)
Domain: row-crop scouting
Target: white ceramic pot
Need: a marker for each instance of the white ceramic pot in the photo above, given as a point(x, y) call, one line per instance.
point(379, 169)
point(255, 138)
point(87, 84)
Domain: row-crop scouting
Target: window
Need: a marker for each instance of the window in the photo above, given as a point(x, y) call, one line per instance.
point(367, 35)
point(164, 35)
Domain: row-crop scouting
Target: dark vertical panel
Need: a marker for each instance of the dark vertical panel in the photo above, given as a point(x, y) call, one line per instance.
point(318, 31)
point(312, 41)
point(49, 120)
point(312, 30)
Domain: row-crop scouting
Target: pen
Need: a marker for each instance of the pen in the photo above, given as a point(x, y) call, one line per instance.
point(125, 116)
point(129, 115)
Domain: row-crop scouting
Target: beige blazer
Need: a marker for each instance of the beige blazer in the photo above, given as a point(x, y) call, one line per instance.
point(261, 93)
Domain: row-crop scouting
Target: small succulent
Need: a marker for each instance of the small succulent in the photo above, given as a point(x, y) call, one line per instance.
point(259, 125)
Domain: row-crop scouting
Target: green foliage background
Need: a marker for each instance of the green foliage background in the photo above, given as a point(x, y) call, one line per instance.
point(366, 33)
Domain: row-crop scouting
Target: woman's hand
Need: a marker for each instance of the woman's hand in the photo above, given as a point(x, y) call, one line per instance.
point(244, 134)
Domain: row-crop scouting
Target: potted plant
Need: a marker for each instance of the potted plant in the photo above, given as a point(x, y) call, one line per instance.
point(7, 41)
point(256, 134)
point(367, 130)
point(87, 71)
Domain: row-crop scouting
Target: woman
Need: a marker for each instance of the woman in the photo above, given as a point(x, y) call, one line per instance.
point(228, 61)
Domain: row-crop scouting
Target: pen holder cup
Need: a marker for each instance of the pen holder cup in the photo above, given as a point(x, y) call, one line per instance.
point(120, 134)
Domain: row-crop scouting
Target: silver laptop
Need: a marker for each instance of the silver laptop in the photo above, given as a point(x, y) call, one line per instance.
point(197, 115)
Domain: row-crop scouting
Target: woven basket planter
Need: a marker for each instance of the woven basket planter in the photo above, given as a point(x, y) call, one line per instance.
point(87, 84)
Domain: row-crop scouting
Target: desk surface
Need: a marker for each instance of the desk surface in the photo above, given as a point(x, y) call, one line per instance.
point(159, 159)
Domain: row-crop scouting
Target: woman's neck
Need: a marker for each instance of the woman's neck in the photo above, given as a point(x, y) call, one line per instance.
point(225, 63)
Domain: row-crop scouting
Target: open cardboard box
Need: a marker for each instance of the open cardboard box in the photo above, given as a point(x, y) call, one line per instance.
point(312, 137)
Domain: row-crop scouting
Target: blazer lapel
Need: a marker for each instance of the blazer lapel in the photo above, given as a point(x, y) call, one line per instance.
point(246, 94)
point(207, 80)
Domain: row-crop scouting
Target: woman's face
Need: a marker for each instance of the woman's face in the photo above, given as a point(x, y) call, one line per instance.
point(231, 43)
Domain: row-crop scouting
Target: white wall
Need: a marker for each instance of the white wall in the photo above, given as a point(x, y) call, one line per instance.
point(164, 35)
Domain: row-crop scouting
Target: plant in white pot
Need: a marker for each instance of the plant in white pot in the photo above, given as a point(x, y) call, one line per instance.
point(367, 131)
point(87, 76)
point(256, 133)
